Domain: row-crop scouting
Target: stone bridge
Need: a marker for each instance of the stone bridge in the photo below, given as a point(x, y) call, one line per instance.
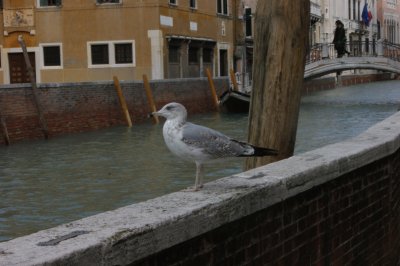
point(379, 55)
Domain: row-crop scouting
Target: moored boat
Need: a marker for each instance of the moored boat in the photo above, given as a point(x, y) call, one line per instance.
point(235, 101)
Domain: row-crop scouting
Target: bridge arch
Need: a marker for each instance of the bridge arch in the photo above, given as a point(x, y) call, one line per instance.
point(322, 59)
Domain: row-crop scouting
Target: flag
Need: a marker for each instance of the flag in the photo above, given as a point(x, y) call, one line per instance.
point(366, 16)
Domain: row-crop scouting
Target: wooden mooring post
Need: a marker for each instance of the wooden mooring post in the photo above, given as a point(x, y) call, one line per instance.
point(212, 88)
point(4, 129)
point(32, 78)
point(122, 101)
point(233, 80)
point(277, 85)
point(150, 98)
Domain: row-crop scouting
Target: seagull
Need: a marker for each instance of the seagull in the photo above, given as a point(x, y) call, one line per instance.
point(201, 144)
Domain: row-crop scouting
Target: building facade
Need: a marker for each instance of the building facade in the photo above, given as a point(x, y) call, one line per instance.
point(76, 41)
point(389, 20)
point(315, 22)
point(361, 34)
point(244, 38)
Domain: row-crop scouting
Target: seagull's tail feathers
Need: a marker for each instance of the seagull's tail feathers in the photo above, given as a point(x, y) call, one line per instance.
point(254, 151)
point(259, 152)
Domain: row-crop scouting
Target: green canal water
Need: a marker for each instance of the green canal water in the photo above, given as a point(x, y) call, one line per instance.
point(47, 183)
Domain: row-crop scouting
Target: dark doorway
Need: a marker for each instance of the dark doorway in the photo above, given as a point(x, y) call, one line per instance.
point(223, 62)
point(18, 70)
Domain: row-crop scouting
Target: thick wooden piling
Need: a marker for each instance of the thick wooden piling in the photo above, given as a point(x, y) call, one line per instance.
point(122, 101)
point(150, 98)
point(39, 108)
point(212, 88)
point(277, 85)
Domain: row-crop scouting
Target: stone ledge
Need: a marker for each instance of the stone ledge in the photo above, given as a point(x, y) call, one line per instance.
point(130, 233)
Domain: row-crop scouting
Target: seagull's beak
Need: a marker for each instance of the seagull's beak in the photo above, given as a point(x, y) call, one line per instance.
point(158, 113)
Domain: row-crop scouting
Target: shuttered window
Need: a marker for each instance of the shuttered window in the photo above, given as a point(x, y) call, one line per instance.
point(222, 7)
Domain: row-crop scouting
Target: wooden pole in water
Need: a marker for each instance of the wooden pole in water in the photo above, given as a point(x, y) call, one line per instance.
point(150, 99)
point(42, 121)
point(4, 130)
point(278, 76)
point(233, 79)
point(122, 101)
point(212, 88)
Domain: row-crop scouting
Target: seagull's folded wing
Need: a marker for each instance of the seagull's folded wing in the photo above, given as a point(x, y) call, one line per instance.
point(211, 142)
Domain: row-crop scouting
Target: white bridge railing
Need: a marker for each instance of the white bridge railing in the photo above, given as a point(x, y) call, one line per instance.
point(324, 51)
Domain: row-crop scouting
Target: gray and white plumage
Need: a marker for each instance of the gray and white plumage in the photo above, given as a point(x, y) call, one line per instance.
point(201, 144)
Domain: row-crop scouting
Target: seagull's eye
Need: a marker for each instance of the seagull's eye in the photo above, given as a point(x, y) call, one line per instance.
point(169, 108)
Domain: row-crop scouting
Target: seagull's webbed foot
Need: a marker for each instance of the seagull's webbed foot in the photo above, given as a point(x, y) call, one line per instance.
point(192, 189)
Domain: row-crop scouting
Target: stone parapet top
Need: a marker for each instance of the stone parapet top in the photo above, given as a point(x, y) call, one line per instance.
point(129, 233)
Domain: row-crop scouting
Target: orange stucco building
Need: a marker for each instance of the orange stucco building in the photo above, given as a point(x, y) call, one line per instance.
point(76, 41)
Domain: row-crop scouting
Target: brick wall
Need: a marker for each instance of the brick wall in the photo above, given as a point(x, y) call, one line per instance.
point(327, 83)
point(88, 106)
point(351, 220)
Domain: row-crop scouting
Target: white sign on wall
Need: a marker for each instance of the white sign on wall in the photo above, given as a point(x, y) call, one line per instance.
point(166, 21)
point(193, 26)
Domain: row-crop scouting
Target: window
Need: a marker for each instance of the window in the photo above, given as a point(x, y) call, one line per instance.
point(173, 54)
point(207, 55)
point(43, 3)
point(247, 19)
point(51, 55)
point(123, 53)
point(222, 7)
point(113, 53)
point(192, 4)
point(193, 55)
point(349, 3)
point(173, 2)
point(108, 1)
point(100, 54)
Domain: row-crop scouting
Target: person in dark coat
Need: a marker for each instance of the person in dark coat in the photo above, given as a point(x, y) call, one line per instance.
point(339, 39)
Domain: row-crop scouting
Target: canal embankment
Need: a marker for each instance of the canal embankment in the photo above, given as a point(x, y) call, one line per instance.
point(80, 107)
point(334, 205)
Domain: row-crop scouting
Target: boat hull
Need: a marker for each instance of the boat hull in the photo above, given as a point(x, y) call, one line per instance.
point(235, 102)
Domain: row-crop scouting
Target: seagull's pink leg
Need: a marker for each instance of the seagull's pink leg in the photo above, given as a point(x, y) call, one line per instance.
point(199, 174)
